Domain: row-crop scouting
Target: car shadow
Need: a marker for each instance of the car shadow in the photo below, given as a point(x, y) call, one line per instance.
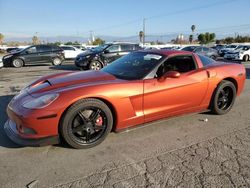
point(65, 66)
point(4, 140)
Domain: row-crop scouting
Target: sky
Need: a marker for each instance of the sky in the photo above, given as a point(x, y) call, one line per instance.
point(24, 18)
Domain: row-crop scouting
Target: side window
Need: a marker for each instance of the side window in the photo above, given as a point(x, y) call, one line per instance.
point(114, 48)
point(205, 49)
point(68, 48)
point(126, 47)
point(182, 64)
point(137, 47)
point(55, 48)
point(198, 50)
point(31, 50)
point(43, 48)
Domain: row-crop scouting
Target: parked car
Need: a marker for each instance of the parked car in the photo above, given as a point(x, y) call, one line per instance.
point(209, 52)
point(97, 58)
point(226, 49)
point(1, 63)
point(35, 54)
point(141, 87)
point(70, 52)
point(218, 47)
point(240, 53)
point(83, 48)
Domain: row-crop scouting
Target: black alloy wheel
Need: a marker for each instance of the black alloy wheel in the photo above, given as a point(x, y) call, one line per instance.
point(86, 123)
point(223, 98)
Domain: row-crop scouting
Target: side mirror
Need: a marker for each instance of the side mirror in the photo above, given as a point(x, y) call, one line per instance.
point(106, 51)
point(172, 74)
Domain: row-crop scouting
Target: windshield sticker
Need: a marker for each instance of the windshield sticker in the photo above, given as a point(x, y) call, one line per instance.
point(152, 56)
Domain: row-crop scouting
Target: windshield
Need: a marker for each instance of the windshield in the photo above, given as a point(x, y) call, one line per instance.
point(231, 46)
point(134, 66)
point(100, 48)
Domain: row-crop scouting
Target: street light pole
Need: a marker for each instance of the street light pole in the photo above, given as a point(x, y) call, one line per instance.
point(144, 30)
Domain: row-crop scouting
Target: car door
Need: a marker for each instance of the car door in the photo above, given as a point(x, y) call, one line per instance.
point(112, 53)
point(44, 53)
point(163, 98)
point(30, 55)
point(70, 52)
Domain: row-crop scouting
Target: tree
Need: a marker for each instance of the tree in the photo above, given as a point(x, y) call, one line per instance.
point(98, 41)
point(193, 28)
point(141, 36)
point(1, 38)
point(205, 38)
point(229, 40)
point(35, 40)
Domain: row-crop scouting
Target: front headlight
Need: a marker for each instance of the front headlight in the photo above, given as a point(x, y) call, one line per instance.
point(41, 102)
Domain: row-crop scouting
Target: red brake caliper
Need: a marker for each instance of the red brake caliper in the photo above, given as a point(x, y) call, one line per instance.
point(99, 121)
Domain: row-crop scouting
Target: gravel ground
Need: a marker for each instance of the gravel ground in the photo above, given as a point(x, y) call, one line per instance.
point(180, 152)
point(220, 162)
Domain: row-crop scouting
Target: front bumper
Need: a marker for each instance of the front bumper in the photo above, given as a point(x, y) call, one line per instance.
point(12, 132)
point(81, 62)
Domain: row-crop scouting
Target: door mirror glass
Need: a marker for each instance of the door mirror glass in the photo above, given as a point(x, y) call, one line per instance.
point(172, 74)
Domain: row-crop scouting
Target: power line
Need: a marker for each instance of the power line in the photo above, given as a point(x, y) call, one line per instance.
point(164, 15)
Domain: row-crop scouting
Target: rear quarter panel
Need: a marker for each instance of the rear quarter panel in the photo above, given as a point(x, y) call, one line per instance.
point(224, 71)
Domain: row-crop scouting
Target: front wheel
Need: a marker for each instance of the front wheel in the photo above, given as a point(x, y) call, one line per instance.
point(245, 58)
point(86, 123)
point(57, 61)
point(223, 98)
point(213, 57)
point(95, 65)
point(17, 63)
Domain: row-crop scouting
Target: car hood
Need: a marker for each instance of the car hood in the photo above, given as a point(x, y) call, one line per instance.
point(69, 79)
point(88, 52)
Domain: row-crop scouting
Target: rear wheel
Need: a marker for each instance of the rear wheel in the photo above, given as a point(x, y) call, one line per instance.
point(57, 61)
point(86, 123)
point(95, 65)
point(213, 57)
point(17, 63)
point(245, 58)
point(223, 98)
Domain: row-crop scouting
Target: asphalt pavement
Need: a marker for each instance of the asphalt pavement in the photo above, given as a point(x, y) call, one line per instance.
point(185, 151)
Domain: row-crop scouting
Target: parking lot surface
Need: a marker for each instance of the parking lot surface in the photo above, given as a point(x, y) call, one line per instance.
point(186, 151)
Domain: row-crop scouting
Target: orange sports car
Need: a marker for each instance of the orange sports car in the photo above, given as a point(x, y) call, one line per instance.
point(83, 107)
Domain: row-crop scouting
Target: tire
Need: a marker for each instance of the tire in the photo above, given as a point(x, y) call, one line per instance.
point(86, 123)
point(56, 61)
point(213, 57)
point(17, 63)
point(95, 65)
point(223, 98)
point(245, 58)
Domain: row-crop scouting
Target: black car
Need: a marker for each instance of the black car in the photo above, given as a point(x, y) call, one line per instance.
point(35, 54)
point(97, 58)
point(202, 50)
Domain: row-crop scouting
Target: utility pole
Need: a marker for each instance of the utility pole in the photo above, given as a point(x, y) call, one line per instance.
point(91, 36)
point(144, 30)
